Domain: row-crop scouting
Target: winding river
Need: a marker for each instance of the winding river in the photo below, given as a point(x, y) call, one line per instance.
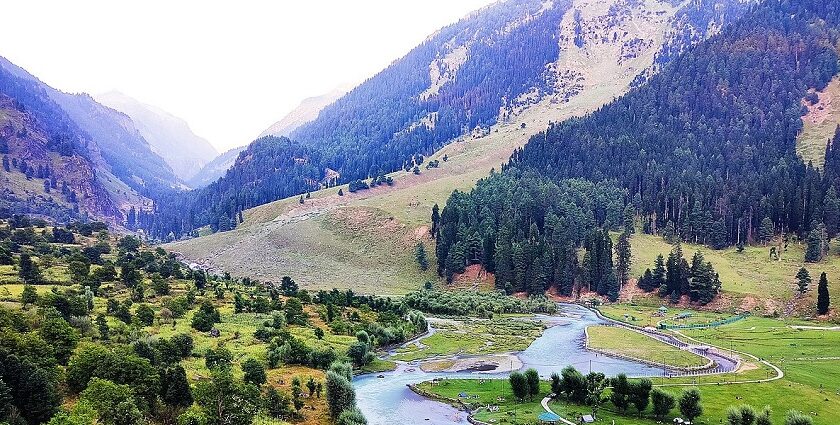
point(388, 400)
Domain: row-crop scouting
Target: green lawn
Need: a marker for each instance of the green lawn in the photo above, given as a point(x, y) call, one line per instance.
point(473, 336)
point(622, 341)
point(646, 315)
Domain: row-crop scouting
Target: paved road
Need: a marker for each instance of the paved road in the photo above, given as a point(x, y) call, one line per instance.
point(548, 409)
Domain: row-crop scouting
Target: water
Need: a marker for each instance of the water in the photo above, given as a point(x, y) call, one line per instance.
point(387, 400)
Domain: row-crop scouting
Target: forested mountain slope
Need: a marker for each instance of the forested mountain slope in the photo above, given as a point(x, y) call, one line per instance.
point(486, 69)
point(319, 240)
point(704, 152)
point(169, 136)
point(42, 177)
point(94, 150)
point(215, 169)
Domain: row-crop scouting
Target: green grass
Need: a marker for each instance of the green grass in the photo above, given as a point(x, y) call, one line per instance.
point(9, 274)
point(473, 336)
point(12, 291)
point(359, 248)
point(647, 315)
point(622, 341)
point(751, 273)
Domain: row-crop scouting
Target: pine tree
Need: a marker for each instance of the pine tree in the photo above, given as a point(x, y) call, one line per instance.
point(629, 219)
point(823, 301)
point(645, 281)
point(659, 273)
point(831, 212)
point(624, 257)
point(816, 244)
point(29, 295)
point(435, 219)
point(676, 275)
point(803, 280)
point(718, 237)
point(420, 256)
point(765, 230)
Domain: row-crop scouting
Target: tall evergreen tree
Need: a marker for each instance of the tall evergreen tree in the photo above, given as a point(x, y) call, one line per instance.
point(831, 212)
point(823, 301)
point(659, 273)
point(817, 244)
point(623, 257)
point(766, 230)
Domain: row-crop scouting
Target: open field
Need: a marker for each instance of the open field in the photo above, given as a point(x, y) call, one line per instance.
point(647, 315)
point(625, 342)
point(751, 280)
point(473, 336)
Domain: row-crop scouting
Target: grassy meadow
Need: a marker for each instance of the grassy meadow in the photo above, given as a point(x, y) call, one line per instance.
point(625, 342)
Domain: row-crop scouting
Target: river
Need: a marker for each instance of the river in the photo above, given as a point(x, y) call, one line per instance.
point(387, 400)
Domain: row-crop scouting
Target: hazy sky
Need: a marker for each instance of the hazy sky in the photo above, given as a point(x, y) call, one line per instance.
point(229, 68)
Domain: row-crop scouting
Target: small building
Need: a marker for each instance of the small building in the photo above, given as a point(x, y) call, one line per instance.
point(548, 418)
point(587, 419)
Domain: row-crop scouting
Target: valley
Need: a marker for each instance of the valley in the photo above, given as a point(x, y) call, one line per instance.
point(546, 212)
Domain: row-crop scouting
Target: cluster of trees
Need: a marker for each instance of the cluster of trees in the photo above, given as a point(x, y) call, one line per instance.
point(60, 345)
point(474, 303)
point(526, 230)
point(803, 282)
point(588, 390)
point(747, 415)
point(675, 277)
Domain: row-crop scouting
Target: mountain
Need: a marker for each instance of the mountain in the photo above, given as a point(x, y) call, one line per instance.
point(169, 136)
point(215, 169)
point(119, 145)
point(489, 68)
point(704, 152)
point(92, 154)
point(304, 113)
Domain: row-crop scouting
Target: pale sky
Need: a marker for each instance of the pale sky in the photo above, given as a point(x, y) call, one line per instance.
point(230, 69)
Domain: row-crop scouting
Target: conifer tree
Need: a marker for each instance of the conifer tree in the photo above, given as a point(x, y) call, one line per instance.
point(659, 272)
point(803, 280)
point(624, 257)
point(420, 256)
point(823, 301)
point(831, 212)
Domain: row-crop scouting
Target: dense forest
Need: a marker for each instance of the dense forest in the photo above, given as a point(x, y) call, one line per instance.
point(295, 169)
point(704, 152)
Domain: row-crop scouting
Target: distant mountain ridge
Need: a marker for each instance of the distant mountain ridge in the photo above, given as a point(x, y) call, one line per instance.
point(95, 155)
point(215, 169)
point(306, 112)
point(168, 135)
